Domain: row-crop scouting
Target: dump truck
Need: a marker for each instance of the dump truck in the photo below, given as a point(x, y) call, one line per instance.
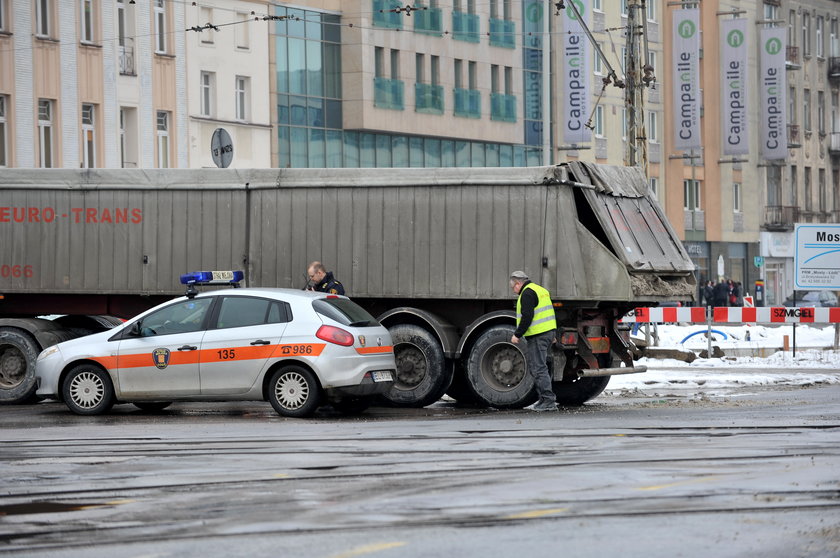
point(429, 251)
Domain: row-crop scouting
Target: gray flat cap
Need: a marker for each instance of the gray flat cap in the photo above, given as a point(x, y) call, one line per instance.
point(520, 275)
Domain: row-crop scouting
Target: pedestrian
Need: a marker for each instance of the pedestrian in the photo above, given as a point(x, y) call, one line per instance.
point(322, 280)
point(721, 293)
point(737, 296)
point(536, 328)
point(709, 293)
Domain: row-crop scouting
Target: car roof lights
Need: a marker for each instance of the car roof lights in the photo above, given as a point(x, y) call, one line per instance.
point(210, 278)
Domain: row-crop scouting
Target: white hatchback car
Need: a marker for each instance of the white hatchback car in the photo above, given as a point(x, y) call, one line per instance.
point(296, 349)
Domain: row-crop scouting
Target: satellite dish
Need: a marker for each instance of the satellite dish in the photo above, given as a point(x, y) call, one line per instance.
point(221, 148)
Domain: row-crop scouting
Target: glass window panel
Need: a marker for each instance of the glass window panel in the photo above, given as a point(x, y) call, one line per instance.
point(505, 155)
point(399, 151)
point(447, 153)
point(432, 152)
point(351, 150)
point(298, 141)
point(333, 114)
point(298, 111)
point(518, 156)
point(315, 72)
point(533, 133)
point(383, 150)
point(534, 157)
point(313, 26)
point(332, 28)
point(491, 155)
point(478, 159)
point(334, 151)
point(317, 148)
point(415, 152)
point(283, 160)
point(282, 65)
point(296, 25)
point(367, 150)
point(462, 154)
point(282, 109)
point(297, 66)
point(332, 70)
point(315, 113)
point(280, 24)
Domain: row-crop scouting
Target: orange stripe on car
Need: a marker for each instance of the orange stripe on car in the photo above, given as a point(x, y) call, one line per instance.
point(220, 354)
point(374, 350)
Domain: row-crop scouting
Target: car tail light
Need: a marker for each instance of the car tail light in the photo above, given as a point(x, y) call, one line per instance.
point(335, 335)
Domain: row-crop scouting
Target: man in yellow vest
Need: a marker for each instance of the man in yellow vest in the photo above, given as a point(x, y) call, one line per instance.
point(535, 322)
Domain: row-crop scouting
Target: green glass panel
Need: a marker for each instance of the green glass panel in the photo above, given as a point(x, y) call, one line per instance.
point(432, 152)
point(283, 153)
point(297, 66)
point(447, 153)
point(367, 150)
point(334, 151)
point(296, 24)
point(383, 150)
point(462, 154)
point(317, 148)
point(477, 156)
point(415, 155)
point(298, 143)
point(352, 158)
point(399, 150)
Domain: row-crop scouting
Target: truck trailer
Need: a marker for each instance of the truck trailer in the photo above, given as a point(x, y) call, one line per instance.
point(429, 251)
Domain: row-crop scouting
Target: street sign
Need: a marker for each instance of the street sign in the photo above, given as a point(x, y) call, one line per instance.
point(817, 257)
point(221, 148)
point(758, 261)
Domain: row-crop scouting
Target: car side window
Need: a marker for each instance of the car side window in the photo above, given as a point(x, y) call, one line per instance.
point(182, 317)
point(242, 311)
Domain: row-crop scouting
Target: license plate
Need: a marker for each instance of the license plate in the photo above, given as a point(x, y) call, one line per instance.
point(381, 376)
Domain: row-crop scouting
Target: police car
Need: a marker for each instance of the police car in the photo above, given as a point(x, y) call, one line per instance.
point(296, 349)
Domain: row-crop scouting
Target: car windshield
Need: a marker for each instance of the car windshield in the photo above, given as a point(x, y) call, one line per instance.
point(344, 311)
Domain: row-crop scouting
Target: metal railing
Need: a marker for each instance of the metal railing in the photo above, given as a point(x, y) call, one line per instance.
point(780, 216)
point(127, 58)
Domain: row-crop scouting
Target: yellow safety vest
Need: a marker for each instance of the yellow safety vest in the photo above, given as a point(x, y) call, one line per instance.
point(544, 319)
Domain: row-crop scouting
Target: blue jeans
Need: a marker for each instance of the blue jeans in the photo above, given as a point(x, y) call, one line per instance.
point(536, 355)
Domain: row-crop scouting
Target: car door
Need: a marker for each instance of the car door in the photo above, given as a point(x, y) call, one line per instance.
point(244, 333)
point(162, 360)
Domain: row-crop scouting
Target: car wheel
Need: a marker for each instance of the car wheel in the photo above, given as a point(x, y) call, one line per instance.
point(152, 405)
point(293, 391)
point(87, 390)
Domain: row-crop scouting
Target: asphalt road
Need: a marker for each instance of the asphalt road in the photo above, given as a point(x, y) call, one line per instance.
point(754, 473)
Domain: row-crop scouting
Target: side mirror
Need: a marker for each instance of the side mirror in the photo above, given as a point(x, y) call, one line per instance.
point(134, 331)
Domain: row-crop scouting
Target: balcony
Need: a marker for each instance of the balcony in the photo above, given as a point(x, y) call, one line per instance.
point(502, 33)
point(792, 58)
point(383, 16)
point(127, 58)
point(428, 21)
point(502, 107)
point(388, 93)
point(468, 103)
point(780, 217)
point(794, 137)
point(428, 98)
point(465, 27)
point(834, 68)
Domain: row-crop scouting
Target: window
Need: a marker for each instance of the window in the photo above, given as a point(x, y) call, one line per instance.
point(771, 12)
point(624, 8)
point(508, 80)
point(87, 21)
point(243, 31)
point(835, 111)
point(241, 95)
point(121, 23)
point(834, 38)
point(163, 139)
point(4, 157)
point(473, 75)
point(792, 108)
point(652, 60)
point(3, 15)
point(691, 195)
point(597, 62)
point(459, 73)
point(395, 64)
point(806, 33)
point(808, 201)
point(653, 127)
point(435, 61)
point(806, 109)
point(624, 124)
point(736, 197)
point(378, 62)
point(599, 121)
point(123, 137)
point(160, 27)
point(241, 311)
point(206, 16)
point(43, 18)
point(181, 317)
point(791, 31)
point(598, 5)
point(653, 184)
point(794, 186)
point(419, 70)
point(821, 112)
point(88, 136)
point(823, 199)
point(128, 137)
point(651, 10)
point(494, 78)
point(818, 37)
point(208, 93)
point(45, 139)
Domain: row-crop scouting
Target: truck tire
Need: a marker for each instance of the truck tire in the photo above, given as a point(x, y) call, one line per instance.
point(497, 370)
point(18, 352)
point(578, 392)
point(422, 373)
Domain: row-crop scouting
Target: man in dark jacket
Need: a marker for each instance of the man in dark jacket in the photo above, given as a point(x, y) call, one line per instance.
point(323, 280)
point(722, 293)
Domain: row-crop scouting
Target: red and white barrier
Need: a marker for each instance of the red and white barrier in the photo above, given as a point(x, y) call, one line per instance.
point(734, 315)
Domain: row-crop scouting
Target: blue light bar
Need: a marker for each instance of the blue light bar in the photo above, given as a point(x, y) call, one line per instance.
point(212, 277)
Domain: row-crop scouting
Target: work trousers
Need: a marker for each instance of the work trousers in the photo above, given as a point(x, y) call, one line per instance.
point(536, 355)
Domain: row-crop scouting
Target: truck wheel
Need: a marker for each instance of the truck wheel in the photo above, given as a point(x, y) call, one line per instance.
point(422, 373)
point(497, 370)
point(87, 390)
point(18, 352)
point(293, 391)
point(578, 392)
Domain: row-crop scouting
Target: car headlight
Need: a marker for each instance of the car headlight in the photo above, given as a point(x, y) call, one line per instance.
point(47, 352)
